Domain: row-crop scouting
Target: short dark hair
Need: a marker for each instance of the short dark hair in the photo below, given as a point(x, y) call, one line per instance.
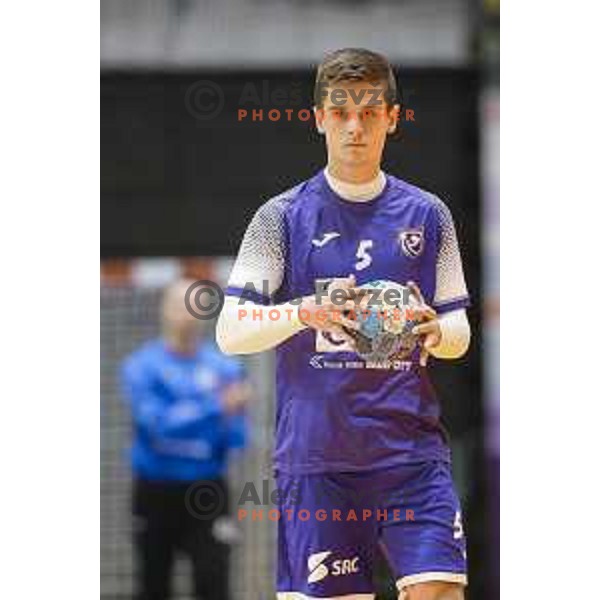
point(355, 64)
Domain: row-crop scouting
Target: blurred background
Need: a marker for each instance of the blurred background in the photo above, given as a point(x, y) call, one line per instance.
point(181, 176)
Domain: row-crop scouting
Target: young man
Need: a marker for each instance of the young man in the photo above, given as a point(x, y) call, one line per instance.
point(343, 427)
point(187, 402)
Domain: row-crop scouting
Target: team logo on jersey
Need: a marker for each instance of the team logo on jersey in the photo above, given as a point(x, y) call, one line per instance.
point(412, 242)
point(327, 237)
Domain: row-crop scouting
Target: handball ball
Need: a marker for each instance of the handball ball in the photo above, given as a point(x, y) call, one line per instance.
point(385, 327)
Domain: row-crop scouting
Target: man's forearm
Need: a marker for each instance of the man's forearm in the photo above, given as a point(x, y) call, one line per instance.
point(456, 335)
point(248, 328)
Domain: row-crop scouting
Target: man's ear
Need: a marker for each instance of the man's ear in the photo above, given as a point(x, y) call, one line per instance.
point(319, 118)
point(394, 117)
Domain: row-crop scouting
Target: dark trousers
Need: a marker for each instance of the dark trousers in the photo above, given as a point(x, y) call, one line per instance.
point(165, 522)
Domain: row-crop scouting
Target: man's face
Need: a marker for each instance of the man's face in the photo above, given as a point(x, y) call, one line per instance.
point(176, 317)
point(356, 119)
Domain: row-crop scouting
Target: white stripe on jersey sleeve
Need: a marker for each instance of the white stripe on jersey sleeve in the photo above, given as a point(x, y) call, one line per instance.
point(450, 279)
point(261, 257)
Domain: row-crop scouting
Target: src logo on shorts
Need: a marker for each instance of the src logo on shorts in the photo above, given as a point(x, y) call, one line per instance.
point(318, 570)
point(412, 242)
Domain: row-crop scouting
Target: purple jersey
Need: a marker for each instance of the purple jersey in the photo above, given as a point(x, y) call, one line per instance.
point(335, 411)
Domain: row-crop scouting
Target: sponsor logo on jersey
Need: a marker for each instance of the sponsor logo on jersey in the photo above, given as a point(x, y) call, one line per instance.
point(412, 242)
point(327, 237)
point(315, 362)
point(318, 570)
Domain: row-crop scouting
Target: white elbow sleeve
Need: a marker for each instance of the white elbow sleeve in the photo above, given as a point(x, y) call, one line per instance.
point(456, 335)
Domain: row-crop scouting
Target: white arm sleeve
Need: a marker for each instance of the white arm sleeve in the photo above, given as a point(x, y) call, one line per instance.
point(450, 289)
point(249, 327)
point(456, 335)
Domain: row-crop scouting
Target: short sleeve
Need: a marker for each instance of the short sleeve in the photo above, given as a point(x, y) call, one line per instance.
point(259, 267)
point(450, 287)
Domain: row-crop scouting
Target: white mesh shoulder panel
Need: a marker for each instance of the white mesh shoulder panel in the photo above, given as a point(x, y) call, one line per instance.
point(450, 279)
point(262, 253)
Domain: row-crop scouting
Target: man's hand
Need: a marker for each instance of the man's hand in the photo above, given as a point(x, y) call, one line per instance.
point(327, 316)
point(429, 330)
point(235, 397)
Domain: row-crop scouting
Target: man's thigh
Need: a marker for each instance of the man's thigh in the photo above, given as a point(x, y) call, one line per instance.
point(433, 591)
point(426, 547)
point(325, 545)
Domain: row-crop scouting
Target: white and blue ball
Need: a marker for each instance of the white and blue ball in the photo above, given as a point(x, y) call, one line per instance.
point(384, 329)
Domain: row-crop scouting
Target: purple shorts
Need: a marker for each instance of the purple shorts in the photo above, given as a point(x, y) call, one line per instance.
point(330, 523)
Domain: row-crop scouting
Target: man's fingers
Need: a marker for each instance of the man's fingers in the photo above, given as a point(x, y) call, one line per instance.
point(348, 322)
point(348, 305)
point(341, 332)
point(416, 291)
point(360, 297)
point(425, 328)
point(338, 313)
point(343, 283)
point(431, 341)
point(423, 356)
point(423, 313)
point(426, 345)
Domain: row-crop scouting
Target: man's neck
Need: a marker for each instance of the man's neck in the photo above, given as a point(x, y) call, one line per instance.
point(352, 174)
point(356, 192)
point(180, 345)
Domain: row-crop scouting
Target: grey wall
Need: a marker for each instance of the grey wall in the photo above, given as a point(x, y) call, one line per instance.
point(263, 33)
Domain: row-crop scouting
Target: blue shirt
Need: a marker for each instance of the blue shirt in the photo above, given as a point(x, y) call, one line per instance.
point(336, 412)
point(180, 431)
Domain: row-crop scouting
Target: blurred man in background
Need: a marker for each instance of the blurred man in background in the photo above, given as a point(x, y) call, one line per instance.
point(187, 403)
point(346, 422)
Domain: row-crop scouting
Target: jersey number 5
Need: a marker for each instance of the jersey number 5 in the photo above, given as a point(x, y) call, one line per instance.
point(458, 526)
point(365, 259)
